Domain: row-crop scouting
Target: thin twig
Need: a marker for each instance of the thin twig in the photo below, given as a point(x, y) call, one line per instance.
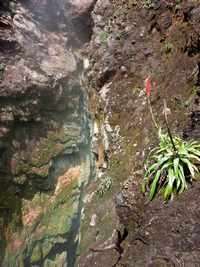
point(151, 112)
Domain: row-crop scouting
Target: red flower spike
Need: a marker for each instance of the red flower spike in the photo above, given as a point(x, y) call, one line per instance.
point(147, 85)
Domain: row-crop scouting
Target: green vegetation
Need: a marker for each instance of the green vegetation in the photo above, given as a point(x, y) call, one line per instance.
point(177, 5)
point(103, 36)
point(148, 3)
point(2, 68)
point(167, 48)
point(173, 163)
point(169, 170)
point(104, 186)
point(136, 90)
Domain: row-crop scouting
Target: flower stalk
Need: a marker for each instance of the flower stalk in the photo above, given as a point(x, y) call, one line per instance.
point(172, 163)
point(167, 125)
point(147, 84)
point(151, 112)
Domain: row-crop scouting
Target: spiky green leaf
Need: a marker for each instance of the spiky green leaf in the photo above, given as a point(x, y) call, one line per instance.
point(153, 185)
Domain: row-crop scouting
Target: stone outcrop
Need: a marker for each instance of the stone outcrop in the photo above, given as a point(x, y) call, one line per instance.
point(50, 210)
point(166, 234)
point(44, 130)
point(38, 79)
point(131, 40)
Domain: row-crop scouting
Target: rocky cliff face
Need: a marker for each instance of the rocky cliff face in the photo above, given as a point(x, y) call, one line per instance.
point(131, 40)
point(44, 130)
point(54, 121)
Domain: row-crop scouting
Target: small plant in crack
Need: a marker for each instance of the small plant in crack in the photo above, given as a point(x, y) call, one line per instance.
point(103, 36)
point(148, 4)
point(167, 48)
point(104, 186)
point(2, 68)
point(177, 5)
point(173, 163)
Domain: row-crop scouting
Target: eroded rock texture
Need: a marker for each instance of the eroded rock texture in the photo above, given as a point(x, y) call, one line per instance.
point(131, 40)
point(166, 234)
point(44, 130)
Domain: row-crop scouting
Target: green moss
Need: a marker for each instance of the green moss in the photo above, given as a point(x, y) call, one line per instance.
point(38, 160)
point(36, 254)
point(21, 261)
point(103, 36)
point(57, 219)
point(47, 149)
point(46, 247)
point(50, 225)
point(106, 216)
point(15, 223)
point(41, 250)
point(106, 222)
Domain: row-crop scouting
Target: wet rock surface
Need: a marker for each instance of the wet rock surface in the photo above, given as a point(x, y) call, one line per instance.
point(131, 40)
point(44, 131)
point(49, 217)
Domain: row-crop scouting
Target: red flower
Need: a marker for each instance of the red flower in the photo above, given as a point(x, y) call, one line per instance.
point(147, 85)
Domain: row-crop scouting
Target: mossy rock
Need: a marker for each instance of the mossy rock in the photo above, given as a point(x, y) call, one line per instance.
point(37, 161)
point(36, 254)
point(59, 261)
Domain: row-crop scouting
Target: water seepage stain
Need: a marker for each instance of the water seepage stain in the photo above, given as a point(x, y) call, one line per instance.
point(46, 158)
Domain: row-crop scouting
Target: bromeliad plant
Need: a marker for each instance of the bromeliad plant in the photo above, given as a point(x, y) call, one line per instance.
point(172, 163)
